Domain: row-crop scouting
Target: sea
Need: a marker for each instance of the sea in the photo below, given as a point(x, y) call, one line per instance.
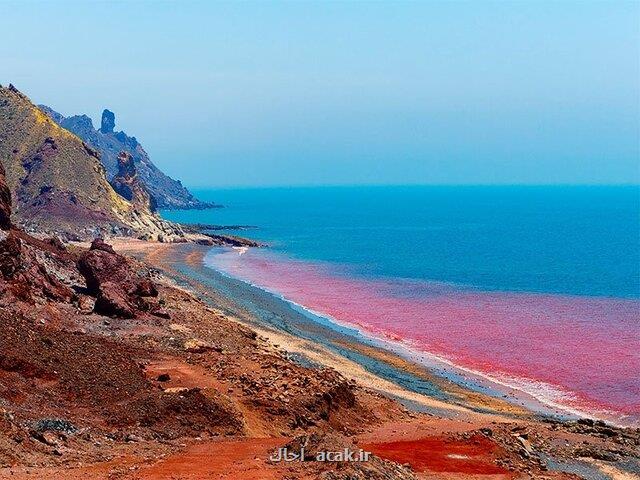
point(533, 287)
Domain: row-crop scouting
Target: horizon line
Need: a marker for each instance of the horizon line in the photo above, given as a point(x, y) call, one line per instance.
point(410, 185)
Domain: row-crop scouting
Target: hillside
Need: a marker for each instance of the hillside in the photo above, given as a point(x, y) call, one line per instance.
point(167, 192)
point(57, 181)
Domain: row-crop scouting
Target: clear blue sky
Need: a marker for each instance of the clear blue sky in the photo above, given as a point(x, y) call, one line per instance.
point(273, 93)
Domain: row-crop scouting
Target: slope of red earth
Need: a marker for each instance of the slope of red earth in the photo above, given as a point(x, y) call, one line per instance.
point(473, 455)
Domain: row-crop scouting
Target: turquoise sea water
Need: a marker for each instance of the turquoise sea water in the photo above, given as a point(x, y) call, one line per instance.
point(537, 288)
point(571, 240)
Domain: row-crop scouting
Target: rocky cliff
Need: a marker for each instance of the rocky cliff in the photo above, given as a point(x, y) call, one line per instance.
point(57, 181)
point(5, 202)
point(166, 192)
point(127, 184)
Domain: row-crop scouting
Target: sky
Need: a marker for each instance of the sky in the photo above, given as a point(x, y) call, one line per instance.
point(340, 93)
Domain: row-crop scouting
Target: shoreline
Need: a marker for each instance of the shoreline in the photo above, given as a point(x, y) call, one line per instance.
point(157, 255)
point(464, 390)
point(536, 396)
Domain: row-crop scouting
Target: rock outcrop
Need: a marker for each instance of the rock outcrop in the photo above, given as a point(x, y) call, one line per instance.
point(5, 202)
point(166, 192)
point(23, 263)
point(128, 185)
point(108, 122)
point(58, 183)
point(119, 290)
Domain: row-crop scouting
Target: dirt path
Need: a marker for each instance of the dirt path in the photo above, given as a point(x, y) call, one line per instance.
point(224, 460)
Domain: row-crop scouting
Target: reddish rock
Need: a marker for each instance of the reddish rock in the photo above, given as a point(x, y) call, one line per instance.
point(146, 288)
point(100, 244)
point(112, 301)
point(23, 273)
point(111, 278)
point(10, 251)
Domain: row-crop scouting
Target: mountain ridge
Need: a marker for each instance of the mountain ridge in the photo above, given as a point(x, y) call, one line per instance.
point(167, 192)
point(59, 184)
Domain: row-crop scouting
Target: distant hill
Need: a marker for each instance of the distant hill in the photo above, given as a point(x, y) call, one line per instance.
point(57, 181)
point(166, 192)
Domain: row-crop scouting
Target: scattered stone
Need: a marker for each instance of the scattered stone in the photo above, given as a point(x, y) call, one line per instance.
point(131, 438)
point(55, 425)
point(194, 345)
point(48, 438)
point(176, 390)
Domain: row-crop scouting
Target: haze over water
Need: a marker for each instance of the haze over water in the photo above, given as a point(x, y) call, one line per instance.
point(538, 287)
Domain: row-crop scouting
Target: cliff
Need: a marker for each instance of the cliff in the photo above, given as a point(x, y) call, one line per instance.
point(127, 184)
point(57, 181)
point(166, 192)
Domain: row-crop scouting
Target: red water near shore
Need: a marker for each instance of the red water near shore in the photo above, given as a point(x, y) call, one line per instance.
point(581, 352)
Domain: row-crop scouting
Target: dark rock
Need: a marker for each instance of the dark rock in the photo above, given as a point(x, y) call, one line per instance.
point(205, 241)
point(586, 421)
point(5, 202)
point(164, 377)
point(127, 184)
point(55, 425)
point(596, 453)
point(108, 121)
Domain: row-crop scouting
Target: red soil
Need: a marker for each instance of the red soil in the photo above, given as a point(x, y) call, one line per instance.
point(224, 460)
point(475, 455)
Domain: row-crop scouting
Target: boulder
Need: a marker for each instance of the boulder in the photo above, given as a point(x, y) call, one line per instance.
point(113, 302)
point(111, 278)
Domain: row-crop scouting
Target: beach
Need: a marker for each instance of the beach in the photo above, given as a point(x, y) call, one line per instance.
point(317, 347)
point(434, 403)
